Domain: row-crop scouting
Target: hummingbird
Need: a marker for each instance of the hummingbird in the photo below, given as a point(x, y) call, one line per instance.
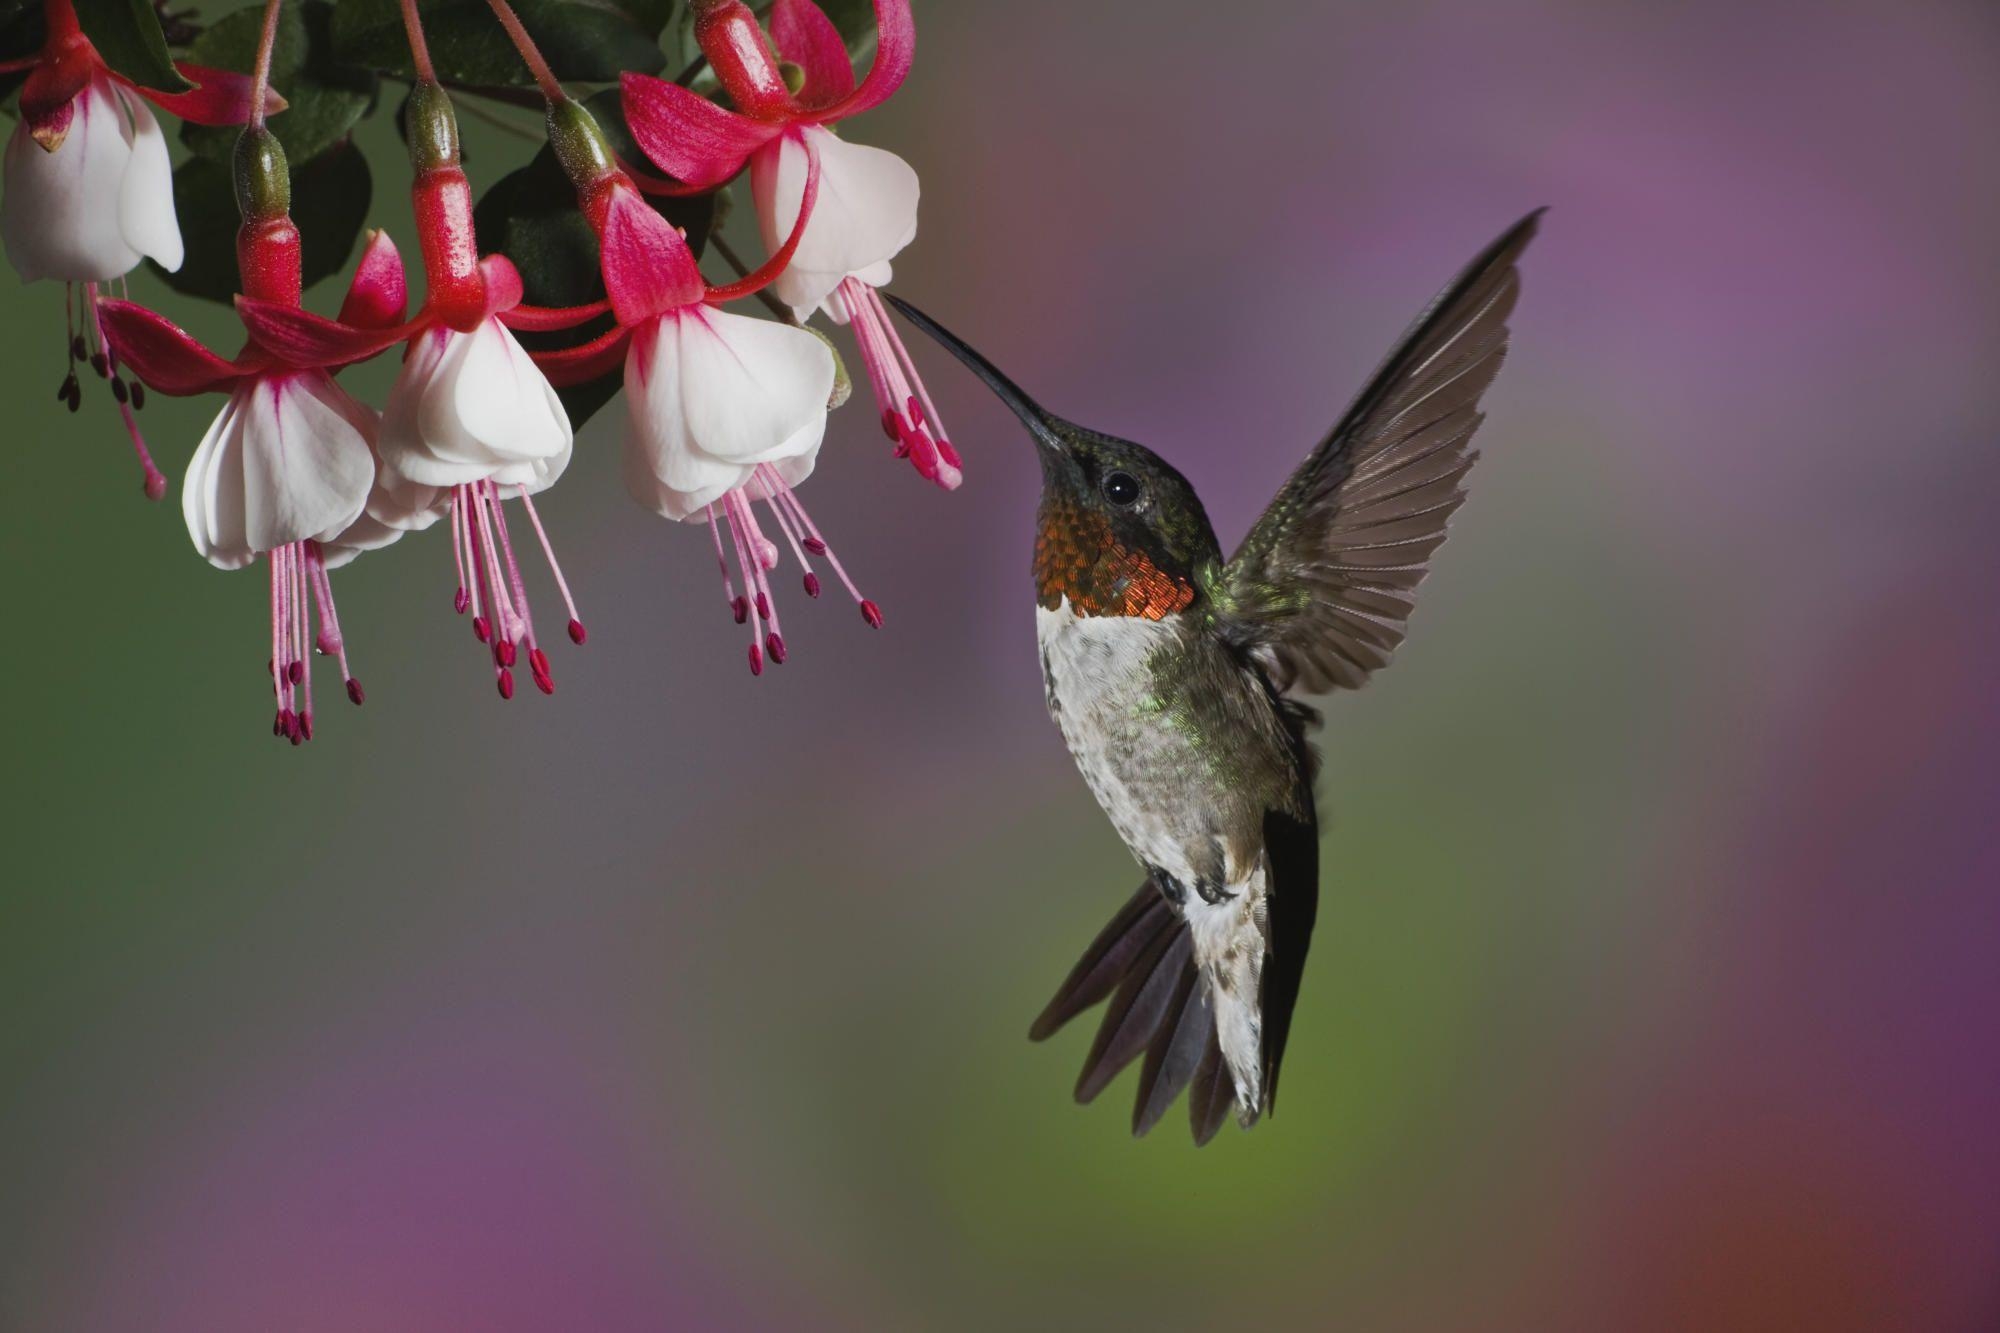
point(1175, 676)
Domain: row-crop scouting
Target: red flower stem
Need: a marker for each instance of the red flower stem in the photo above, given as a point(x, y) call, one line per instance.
point(260, 83)
point(59, 19)
point(420, 51)
point(544, 76)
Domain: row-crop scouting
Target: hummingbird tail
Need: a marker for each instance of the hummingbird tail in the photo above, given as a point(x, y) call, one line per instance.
point(1143, 963)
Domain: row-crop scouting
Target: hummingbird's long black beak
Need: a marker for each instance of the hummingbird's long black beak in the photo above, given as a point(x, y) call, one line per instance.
point(1040, 422)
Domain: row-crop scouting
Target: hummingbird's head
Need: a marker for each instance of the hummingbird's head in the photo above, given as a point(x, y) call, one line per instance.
point(1120, 532)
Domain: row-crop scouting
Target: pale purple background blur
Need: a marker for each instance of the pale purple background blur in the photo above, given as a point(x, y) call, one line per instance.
point(1655, 985)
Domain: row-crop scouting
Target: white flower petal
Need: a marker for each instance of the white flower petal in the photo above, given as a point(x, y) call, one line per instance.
point(60, 215)
point(865, 214)
point(307, 464)
point(752, 390)
point(212, 495)
point(502, 400)
point(146, 197)
point(657, 444)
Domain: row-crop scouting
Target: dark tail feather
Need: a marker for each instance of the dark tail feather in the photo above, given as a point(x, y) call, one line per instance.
point(1175, 1051)
point(1135, 1012)
point(1212, 1095)
point(1143, 962)
point(1141, 921)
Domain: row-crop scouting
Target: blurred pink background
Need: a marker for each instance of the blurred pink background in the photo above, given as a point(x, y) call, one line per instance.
point(1655, 985)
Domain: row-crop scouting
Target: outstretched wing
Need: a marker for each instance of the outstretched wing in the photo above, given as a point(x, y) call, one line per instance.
point(1322, 588)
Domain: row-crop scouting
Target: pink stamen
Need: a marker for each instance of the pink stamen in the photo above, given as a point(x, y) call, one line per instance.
point(577, 634)
point(730, 502)
point(460, 599)
point(155, 480)
point(767, 559)
point(782, 494)
point(738, 606)
point(496, 591)
point(790, 528)
point(518, 588)
point(909, 415)
point(299, 588)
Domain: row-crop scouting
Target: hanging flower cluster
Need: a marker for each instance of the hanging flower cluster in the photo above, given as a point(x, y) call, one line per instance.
point(724, 412)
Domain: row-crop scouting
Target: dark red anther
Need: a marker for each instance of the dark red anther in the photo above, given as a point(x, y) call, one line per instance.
point(871, 613)
point(461, 600)
point(776, 643)
point(138, 395)
point(481, 630)
point(505, 653)
point(305, 726)
point(354, 692)
point(812, 584)
point(916, 411)
point(506, 683)
point(278, 723)
point(296, 672)
point(946, 452)
point(740, 608)
point(293, 728)
point(538, 662)
point(118, 389)
point(101, 364)
point(62, 391)
point(892, 425)
point(815, 545)
point(75, 396)
point(156, 486)
point(78, 351)
point(763, 607)
point(577, 634)
point(756, 659)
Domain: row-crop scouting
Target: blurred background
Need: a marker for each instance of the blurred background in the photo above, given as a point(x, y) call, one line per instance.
point(1655, 982)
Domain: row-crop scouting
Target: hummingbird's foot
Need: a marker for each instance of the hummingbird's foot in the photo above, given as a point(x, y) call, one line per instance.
point(1213, 892)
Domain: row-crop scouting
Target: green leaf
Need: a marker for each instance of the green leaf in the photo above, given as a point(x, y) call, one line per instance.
point(21, 35)
point(330, 197)
point(326, 96)
point(127, 34)
point(531, 217)
point(586, 40)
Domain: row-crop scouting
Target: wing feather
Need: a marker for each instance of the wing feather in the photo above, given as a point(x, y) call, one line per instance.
point(1321, 589)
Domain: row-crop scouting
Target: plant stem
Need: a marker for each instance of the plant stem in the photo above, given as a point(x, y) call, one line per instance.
point(544, 76)
point(771, 303)
point(267, 41)
point(420, 51)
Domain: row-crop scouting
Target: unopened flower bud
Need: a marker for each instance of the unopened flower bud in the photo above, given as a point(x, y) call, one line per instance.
point(431, 127)
point(263, 178)
point(579, 144)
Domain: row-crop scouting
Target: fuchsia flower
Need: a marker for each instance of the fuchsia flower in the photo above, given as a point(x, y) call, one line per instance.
point(722, 411)
point(866, 209)
point(471, 420)
point(89, 187)
point(287, 466)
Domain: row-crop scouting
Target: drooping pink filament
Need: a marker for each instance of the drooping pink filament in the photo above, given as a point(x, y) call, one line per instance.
point(299, 590)
point(757, 555)
point(495, 592)
point(909, 417)
point(97, 350)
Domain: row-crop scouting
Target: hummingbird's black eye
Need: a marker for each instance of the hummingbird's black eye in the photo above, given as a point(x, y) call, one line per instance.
point(1121, 488)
